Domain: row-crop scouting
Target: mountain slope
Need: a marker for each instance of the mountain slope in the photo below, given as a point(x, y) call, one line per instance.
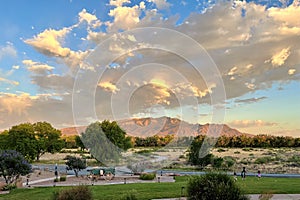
point(145, 127)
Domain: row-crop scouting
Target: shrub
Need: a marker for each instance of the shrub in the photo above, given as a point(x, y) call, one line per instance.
point(263, 160)
point(129, 196)
point(236, 152)
point(221, 150)
point(149, 176)
point(9, 187)
point(63, 178)
point(265, 196)
point(213, 186)
point(76, 193)
point(56, 180)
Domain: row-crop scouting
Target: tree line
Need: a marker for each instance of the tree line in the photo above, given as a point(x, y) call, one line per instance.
point(34, 140)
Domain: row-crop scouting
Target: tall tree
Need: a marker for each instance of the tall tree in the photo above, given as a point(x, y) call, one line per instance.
point(33, 140)
point(21, 138)
point(47, 139)
point(79, 142)
point(105, 141)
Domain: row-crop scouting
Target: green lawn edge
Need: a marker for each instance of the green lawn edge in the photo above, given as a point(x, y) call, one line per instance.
point(145, 191)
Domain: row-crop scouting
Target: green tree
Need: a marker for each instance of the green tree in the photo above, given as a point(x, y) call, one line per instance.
point(13, 165)
point(3, 139)
point(116, 135)
point(74, 163)
point(47, 139)
point(34, 140)
point(105, 141)
point(22, 139)
point(214, 186)
point(79, 142)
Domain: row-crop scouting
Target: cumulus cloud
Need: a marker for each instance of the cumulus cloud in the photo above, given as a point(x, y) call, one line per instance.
point(125, 17)
point(109, 86)
point(37, 68)
point(279, 58)
point(49, 42)
point(239, 39)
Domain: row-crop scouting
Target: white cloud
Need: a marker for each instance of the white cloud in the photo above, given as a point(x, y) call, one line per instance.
point(108, 86)
point(8, 50)
point(37, 68)
point(291, 71)
point(279, 58)
point(49, 42)
point(91, 19)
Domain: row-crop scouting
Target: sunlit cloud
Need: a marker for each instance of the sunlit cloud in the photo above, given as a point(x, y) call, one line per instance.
point(250, 123)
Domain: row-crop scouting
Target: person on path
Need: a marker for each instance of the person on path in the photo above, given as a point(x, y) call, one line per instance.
point(243, 174)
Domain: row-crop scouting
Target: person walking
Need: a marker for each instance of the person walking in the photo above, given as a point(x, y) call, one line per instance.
point(243, 174)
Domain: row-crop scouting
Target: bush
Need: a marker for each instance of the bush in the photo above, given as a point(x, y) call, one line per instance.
point(9, 187)
point(76, 193)
point(221, 150)
point(129, 196)
point(214, 186)
point(150, 176)
point(263, 160)
point(63, 178)
point(56, 180)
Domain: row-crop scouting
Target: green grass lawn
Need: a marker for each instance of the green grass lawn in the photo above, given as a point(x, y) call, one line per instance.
point(145, 191)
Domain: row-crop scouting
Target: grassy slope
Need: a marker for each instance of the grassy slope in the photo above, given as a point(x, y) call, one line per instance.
point(160, 190)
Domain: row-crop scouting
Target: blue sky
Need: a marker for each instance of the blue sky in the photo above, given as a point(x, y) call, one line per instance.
point(255, 46)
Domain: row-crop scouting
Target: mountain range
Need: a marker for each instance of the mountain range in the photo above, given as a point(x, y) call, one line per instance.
point(162, 126)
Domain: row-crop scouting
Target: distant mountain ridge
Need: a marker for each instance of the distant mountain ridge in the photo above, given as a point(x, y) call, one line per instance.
point(162, 126)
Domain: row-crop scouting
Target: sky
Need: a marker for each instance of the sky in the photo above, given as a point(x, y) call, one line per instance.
point(71, 62)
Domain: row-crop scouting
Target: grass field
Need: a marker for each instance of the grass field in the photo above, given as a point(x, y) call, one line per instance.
point(145, 191)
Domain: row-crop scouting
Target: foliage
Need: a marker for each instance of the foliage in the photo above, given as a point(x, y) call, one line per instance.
point(263, 160)
point(13, 165)
point(153, 141)
point(74, 163)
point(148, 176)
point(213, 186)
point(33, 140)
point(9, 187)
point(105, 140)
point(76, 193)
point(129, 196)
point(62, 178)
point(79, 142)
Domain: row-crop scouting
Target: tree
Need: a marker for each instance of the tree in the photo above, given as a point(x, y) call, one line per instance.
point(13, 165)
point(105, 141)
point(79, 142)
point(47, 139)
point(116, 135)
point(21, 138)
point(3, 139)
point(75, 163)
point(214, 186)
point(34, 140)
